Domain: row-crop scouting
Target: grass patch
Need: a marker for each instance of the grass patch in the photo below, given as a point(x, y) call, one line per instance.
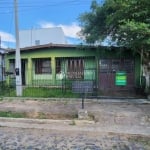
point(39, 115)
point(45, 92)
point(7, 91)
point(12, 114)
point(48, 92)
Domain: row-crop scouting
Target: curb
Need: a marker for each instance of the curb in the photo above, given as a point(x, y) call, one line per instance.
point(99, 100)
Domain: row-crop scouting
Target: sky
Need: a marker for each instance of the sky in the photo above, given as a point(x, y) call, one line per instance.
point(33, 14)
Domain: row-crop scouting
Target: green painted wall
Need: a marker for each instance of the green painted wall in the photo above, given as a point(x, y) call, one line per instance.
point(90, 69)
point(53, 78)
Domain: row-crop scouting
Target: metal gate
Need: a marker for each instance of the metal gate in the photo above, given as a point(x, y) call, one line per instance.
point(108, 69)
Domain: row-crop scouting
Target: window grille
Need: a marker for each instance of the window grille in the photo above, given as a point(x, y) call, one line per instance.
point(43, 66)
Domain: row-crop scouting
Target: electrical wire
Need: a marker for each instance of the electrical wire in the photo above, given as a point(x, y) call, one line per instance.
point(24, 6)
point(37, 4)
point(43, 4)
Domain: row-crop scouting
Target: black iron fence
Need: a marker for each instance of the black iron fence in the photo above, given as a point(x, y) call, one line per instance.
point(46, 85)
point(46, 77)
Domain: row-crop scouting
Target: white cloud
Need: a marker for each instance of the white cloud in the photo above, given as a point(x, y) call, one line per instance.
point(7, 37)
point(69, 30)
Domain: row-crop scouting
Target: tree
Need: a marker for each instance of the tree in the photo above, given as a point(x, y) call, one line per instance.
point(127, 22)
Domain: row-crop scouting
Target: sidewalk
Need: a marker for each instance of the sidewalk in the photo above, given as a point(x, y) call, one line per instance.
point(121, 116)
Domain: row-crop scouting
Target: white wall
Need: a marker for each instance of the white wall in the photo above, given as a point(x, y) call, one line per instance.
point(44, 36)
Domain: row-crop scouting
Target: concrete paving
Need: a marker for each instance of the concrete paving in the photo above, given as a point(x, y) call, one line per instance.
point(131, 116)
point(74, 125)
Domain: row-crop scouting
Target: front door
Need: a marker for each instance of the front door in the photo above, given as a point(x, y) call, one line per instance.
point(108, 70)
point(23, 71)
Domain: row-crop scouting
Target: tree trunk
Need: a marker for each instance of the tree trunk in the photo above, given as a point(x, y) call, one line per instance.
point(146, 74)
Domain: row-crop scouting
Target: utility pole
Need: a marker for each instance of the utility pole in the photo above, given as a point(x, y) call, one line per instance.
point(17, 58)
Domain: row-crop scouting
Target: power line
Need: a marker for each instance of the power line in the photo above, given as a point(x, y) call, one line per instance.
point(45, 4)
point(6, 7)
point(31, 4)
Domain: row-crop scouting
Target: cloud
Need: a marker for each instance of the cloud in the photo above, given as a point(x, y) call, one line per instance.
point(7, 37)
point(69, 30)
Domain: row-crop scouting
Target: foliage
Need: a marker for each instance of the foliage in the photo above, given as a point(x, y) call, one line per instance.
point(127, 22)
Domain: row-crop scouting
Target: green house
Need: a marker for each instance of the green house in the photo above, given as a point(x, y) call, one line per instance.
point(54, 65)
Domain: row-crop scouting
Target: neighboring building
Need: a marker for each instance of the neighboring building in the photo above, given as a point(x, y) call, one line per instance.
point(2, 64)
point(112, 70)
point(41, 36)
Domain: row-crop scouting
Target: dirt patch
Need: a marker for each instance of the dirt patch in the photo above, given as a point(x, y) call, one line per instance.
point(42, 109)
point(41, 115)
